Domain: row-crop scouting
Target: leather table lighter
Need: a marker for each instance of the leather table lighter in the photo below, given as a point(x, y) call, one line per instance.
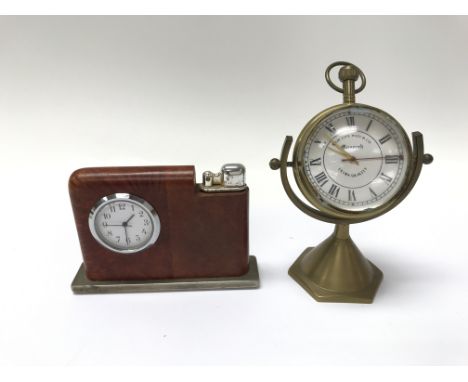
point(155, 229)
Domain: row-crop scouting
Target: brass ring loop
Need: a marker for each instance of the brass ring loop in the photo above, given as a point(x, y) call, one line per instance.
point(343, 63)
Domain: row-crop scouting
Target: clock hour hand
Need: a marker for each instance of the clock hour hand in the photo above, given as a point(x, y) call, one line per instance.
point(126, 223)
point(340, 150)
point(348, 156)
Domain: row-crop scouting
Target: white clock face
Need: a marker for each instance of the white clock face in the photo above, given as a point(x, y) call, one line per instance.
point(357, 158)
point(124, 223)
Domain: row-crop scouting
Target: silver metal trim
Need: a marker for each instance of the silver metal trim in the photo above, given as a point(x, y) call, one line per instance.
point(231, 178)
point(101, 203)
point(251, 280)
point(222, 188)
point(233, 175)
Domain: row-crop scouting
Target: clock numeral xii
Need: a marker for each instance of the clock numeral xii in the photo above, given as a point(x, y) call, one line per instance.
point(350, 121)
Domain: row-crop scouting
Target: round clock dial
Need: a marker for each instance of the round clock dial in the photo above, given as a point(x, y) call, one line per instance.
point(355, 158)
point(124, 223)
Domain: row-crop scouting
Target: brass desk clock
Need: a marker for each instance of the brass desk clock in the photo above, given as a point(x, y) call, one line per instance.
point(352, 162)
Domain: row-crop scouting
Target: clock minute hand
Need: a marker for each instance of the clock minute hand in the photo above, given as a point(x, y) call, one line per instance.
point(125, 225)
point(126, 236)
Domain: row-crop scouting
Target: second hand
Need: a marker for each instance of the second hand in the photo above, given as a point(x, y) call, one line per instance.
point(370, 158)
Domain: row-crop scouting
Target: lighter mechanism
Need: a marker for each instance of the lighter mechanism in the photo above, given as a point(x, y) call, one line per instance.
point(231, 178)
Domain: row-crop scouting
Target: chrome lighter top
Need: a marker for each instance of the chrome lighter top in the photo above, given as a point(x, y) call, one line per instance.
point(231, 178)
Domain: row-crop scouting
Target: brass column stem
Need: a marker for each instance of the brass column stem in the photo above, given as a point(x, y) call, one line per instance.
point(342, 231)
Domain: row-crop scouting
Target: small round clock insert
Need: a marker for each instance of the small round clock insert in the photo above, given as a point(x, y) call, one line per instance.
point(124, 223)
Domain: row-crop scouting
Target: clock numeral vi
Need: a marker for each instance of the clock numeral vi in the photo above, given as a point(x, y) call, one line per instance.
point(351, 196)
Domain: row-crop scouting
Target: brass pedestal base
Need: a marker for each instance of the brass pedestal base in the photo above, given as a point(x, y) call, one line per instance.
point(336, 271)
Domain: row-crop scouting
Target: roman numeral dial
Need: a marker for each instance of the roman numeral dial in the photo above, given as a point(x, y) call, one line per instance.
point(355, 158)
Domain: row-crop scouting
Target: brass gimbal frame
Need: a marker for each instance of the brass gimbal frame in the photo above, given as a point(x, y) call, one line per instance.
point(335, 270)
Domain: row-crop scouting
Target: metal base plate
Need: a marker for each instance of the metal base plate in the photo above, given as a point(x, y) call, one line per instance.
point(365, 296)
point(82, 285)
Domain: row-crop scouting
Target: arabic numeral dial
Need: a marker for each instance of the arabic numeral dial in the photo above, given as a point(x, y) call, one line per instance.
point(124, 223)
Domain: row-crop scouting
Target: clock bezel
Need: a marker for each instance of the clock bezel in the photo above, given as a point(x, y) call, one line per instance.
point(313, 195)
point(148, 208)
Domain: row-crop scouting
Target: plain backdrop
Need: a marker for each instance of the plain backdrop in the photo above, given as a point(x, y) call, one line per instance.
point(105, 91)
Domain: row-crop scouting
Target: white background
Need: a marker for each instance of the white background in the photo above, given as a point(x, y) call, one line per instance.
point(95, 91)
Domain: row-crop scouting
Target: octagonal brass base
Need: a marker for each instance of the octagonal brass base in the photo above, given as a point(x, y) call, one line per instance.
point(336, 271)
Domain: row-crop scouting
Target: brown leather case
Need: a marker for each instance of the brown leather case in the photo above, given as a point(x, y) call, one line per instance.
point(202, 234)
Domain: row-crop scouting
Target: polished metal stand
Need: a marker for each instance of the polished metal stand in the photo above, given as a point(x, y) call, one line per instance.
point(336, 271)
point(82, 285)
